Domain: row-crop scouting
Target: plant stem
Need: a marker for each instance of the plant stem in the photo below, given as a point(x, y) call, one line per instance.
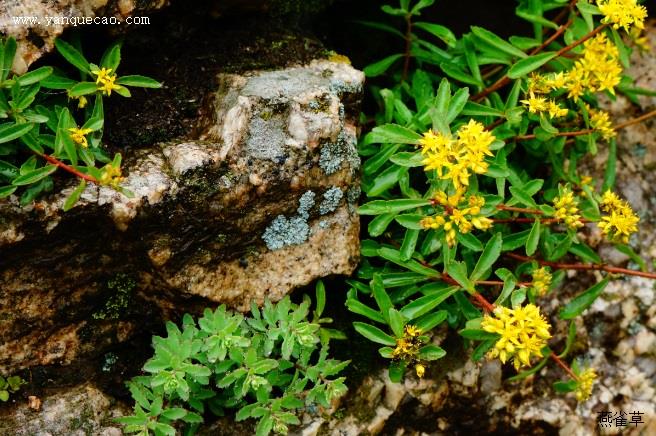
point(68, 168)
point(519, 209)
point(506, 80)
point(636, 120)
point(552, 38)
point(408, 45)
point(567, 134)
point(563, 365)
point(584, 266)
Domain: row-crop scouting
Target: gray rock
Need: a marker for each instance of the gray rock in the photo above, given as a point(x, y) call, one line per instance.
point(228, 216)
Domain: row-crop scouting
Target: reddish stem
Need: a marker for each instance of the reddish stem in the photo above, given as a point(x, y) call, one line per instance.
point(563, 365)
point(566, 134)
point(408, 45)
point(584, 266)
point(68, 168)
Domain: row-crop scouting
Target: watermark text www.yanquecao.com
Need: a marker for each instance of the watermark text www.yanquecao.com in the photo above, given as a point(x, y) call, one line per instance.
point(66, 20)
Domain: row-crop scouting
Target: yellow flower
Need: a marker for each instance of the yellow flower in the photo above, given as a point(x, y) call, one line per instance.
point(523, 334)
point(535, 104)
point(620, 221)
point(111, 176)
point(82, 102)
point(541, 280)
point(407, 347)
point(585, 384)
point(102, 74)
point(566, 206)
point(79, 136)
point(640, 40)
point(463, 216)
point(597, 70)
point(623, 13)
point(108, 85)
point(420, 369)
point(600, 120)
point(555, 111)
point(457, 158)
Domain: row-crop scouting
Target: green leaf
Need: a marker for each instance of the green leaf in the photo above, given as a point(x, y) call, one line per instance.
point(470, 241)
point(536, 19)
point(138, 81)
point(385, 180)
point(458, 271)
point(75, 196)
point(394, 256)
point(378, 207)
point(429, 321)
point(34, 175)
point(408, 159)
point(482, 348)
point(379, 224)
point(72, 55)
point(455, 72)
point(174, 413)
point(457, 103)
point(438, 31)
point(522, 196)
point(55, 81)
point(531, 63)
point(396, 370)
point(112, 57)
point(611, 166)
point(356, 306)
point(34, 76)
point(490, 255)
point(374, 334)
point(586, 253)
point(378, 68)
point(635, 257)
point(393, 133)
point(477, 334)
point(533, 238)
point(83, 88)
point(509, 282)
point(582, 301)
point(475, 109)
point(380, 295)
point(410, 221)
point(10, 131)
point(320, 291)
point(409, 244)
point(9, 52)
point(6, 191)
point(514, 240)
point(495, 41)
point(431, 352)
point(563, 387)
point(425, 304)
point(396, 322)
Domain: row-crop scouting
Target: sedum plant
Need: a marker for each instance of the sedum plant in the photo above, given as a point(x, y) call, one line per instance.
point(477, 202)
point(268, 366)
point(51, 122)
point(9, 386)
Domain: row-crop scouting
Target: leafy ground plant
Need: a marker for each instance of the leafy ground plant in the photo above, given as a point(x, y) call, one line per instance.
point(478, 205)
point(9, 386)
point(53, 122)
point(268, 366)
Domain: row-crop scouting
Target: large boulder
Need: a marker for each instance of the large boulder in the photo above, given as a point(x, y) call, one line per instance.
point(258, 202)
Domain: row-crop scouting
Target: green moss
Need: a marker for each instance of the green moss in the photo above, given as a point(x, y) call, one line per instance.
point(120, 287)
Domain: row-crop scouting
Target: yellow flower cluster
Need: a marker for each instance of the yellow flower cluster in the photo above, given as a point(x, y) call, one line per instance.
point(79, 136)
point(620, 221)
point(541, 280)
point(585, 383)
point(545, 83)
point(407, 348)
point(598, 70)
point(460, 215)
point(567, 208)
point(537, 105)
point(105, 80)
point(524, 333)
point(457, 158)
point(623, 13)
point(111, 176)
point(600, 120)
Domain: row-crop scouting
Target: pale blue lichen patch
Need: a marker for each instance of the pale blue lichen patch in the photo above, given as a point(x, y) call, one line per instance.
point(352, 197)
point(284, 231)
point(331, 199)
point(333, 154)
